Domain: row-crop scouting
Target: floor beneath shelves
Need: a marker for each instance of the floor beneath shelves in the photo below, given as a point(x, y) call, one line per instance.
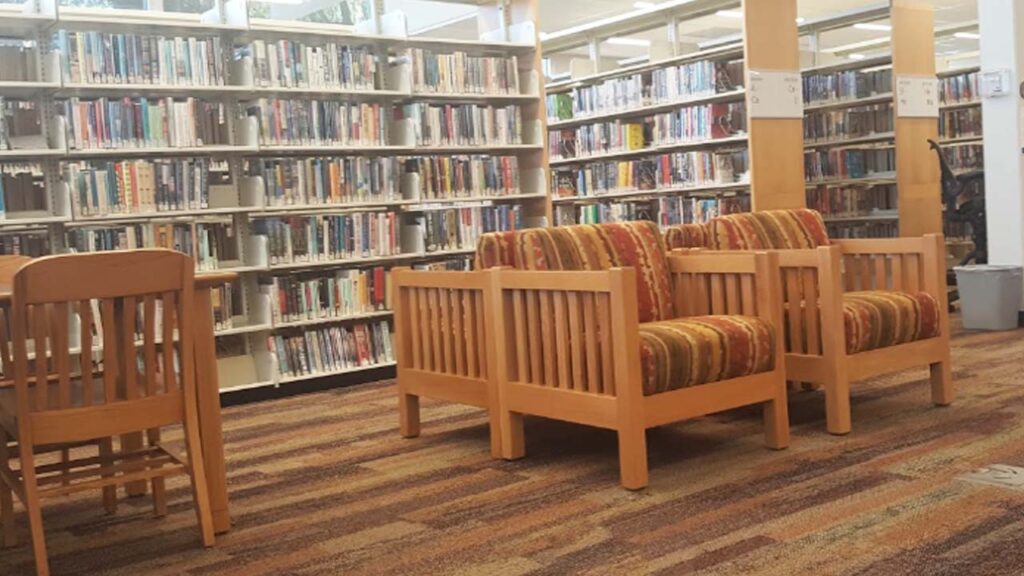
point(322, 485)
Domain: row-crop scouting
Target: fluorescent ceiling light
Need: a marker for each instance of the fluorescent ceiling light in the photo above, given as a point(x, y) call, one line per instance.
point(544, 36)
point(871, 26)
point(801, 20)
point(618, 41)
point(856, 56)
point(967, 35)
point(643, 5)
point(729, 14)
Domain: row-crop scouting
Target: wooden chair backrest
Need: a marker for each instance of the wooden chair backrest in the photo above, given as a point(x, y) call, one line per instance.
point(135, 314)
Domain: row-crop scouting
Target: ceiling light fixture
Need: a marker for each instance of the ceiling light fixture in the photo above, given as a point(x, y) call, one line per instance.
point(967, 35)
point(856, 56)
point(801, 20)
point(729, 14)
point(872, 26)
point(619, 41)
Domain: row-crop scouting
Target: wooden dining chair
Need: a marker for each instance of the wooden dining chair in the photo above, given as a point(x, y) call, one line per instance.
point(136, 309)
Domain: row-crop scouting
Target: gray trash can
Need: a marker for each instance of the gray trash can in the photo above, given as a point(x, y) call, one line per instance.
point(990, 296)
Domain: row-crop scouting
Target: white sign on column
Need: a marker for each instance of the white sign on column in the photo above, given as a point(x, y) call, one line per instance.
point(917, 96)
point(775, 94)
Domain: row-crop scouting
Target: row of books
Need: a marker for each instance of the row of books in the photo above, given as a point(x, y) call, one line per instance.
point(960, 122)
point(292, 64)
point(343, 294)
point(965, 156)
point(208, 243)
point(666, 211)
point(846, 85)
point(460, 228)
point(21, 189)
point(844, 230)
point(226, 302)
point(305, 181)
point(852, 201)
point(847, 123)
point(105, 123)
point(119, 58)
point(675, 170)
point(695, 79)
point(959, 88)
point(19, 60)
point(599, 138)
point(333, 349)
point(319, 122)
point(661, 86)
point(138, 186)
point(461, 73)
point(321, 238)
point(465, 124)
point(848, 163)
point(679, 210)
point(32, 243)
point(696, 123)
point(445, 177)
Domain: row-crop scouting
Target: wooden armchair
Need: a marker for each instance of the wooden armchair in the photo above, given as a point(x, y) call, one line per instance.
point(853, 308)
point(595, 326)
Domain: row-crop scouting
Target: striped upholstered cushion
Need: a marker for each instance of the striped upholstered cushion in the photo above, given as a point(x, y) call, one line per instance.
point(703, 349)
point(687, 236)
point(879, 319)
point(590, 247)
point(770, 230)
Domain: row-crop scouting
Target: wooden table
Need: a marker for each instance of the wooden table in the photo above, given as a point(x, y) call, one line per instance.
point(208, 397)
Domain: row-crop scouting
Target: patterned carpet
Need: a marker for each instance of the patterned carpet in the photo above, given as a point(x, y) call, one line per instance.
point(322, 484)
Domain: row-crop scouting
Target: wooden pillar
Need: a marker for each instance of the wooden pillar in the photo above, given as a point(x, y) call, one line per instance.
point(501, 14)
point(776, 144)
point(918, 177)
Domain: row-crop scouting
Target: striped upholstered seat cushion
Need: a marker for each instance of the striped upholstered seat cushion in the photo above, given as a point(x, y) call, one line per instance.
point(703, 349)
point(592, 247)
point(881, 318)
point(687, 236)
point(769, 230)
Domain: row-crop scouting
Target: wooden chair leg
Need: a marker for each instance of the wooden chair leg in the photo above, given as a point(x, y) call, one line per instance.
point(9, 538)
point(513, 441)
point(942, 382)
point(776, 421)
point(34, 509)
point(409, 415)
point(633, 458)
point(837, 402)
point(158, 483)
point(197, 472)
point(106, 448)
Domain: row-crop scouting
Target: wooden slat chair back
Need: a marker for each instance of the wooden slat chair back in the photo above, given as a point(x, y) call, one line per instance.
point(133, 312)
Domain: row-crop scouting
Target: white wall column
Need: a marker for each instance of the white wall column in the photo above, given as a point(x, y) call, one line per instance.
point(1001, 24)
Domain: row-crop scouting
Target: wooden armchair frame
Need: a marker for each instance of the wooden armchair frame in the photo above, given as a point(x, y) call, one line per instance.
point(566, 346)
point(813, 284)
point(440, 344)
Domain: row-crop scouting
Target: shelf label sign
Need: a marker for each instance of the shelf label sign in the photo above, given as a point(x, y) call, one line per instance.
point(775, 94)
point(917, 96)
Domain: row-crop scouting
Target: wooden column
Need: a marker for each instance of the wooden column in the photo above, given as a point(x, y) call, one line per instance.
point(531, 69)
point(917, 167)
point(776, 144)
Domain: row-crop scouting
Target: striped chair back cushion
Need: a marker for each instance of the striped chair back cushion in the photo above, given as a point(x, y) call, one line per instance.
point(590, 247)
point(687, 236)
point(769, 230)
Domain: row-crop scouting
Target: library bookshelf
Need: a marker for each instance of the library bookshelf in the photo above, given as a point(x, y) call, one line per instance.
point(665, 141)
point(310, 158)
point(961, 139)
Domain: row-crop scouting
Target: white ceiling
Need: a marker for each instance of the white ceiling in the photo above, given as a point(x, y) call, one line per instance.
point(452, 20)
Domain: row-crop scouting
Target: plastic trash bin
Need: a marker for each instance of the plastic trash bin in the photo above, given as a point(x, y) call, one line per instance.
point(990, 296)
